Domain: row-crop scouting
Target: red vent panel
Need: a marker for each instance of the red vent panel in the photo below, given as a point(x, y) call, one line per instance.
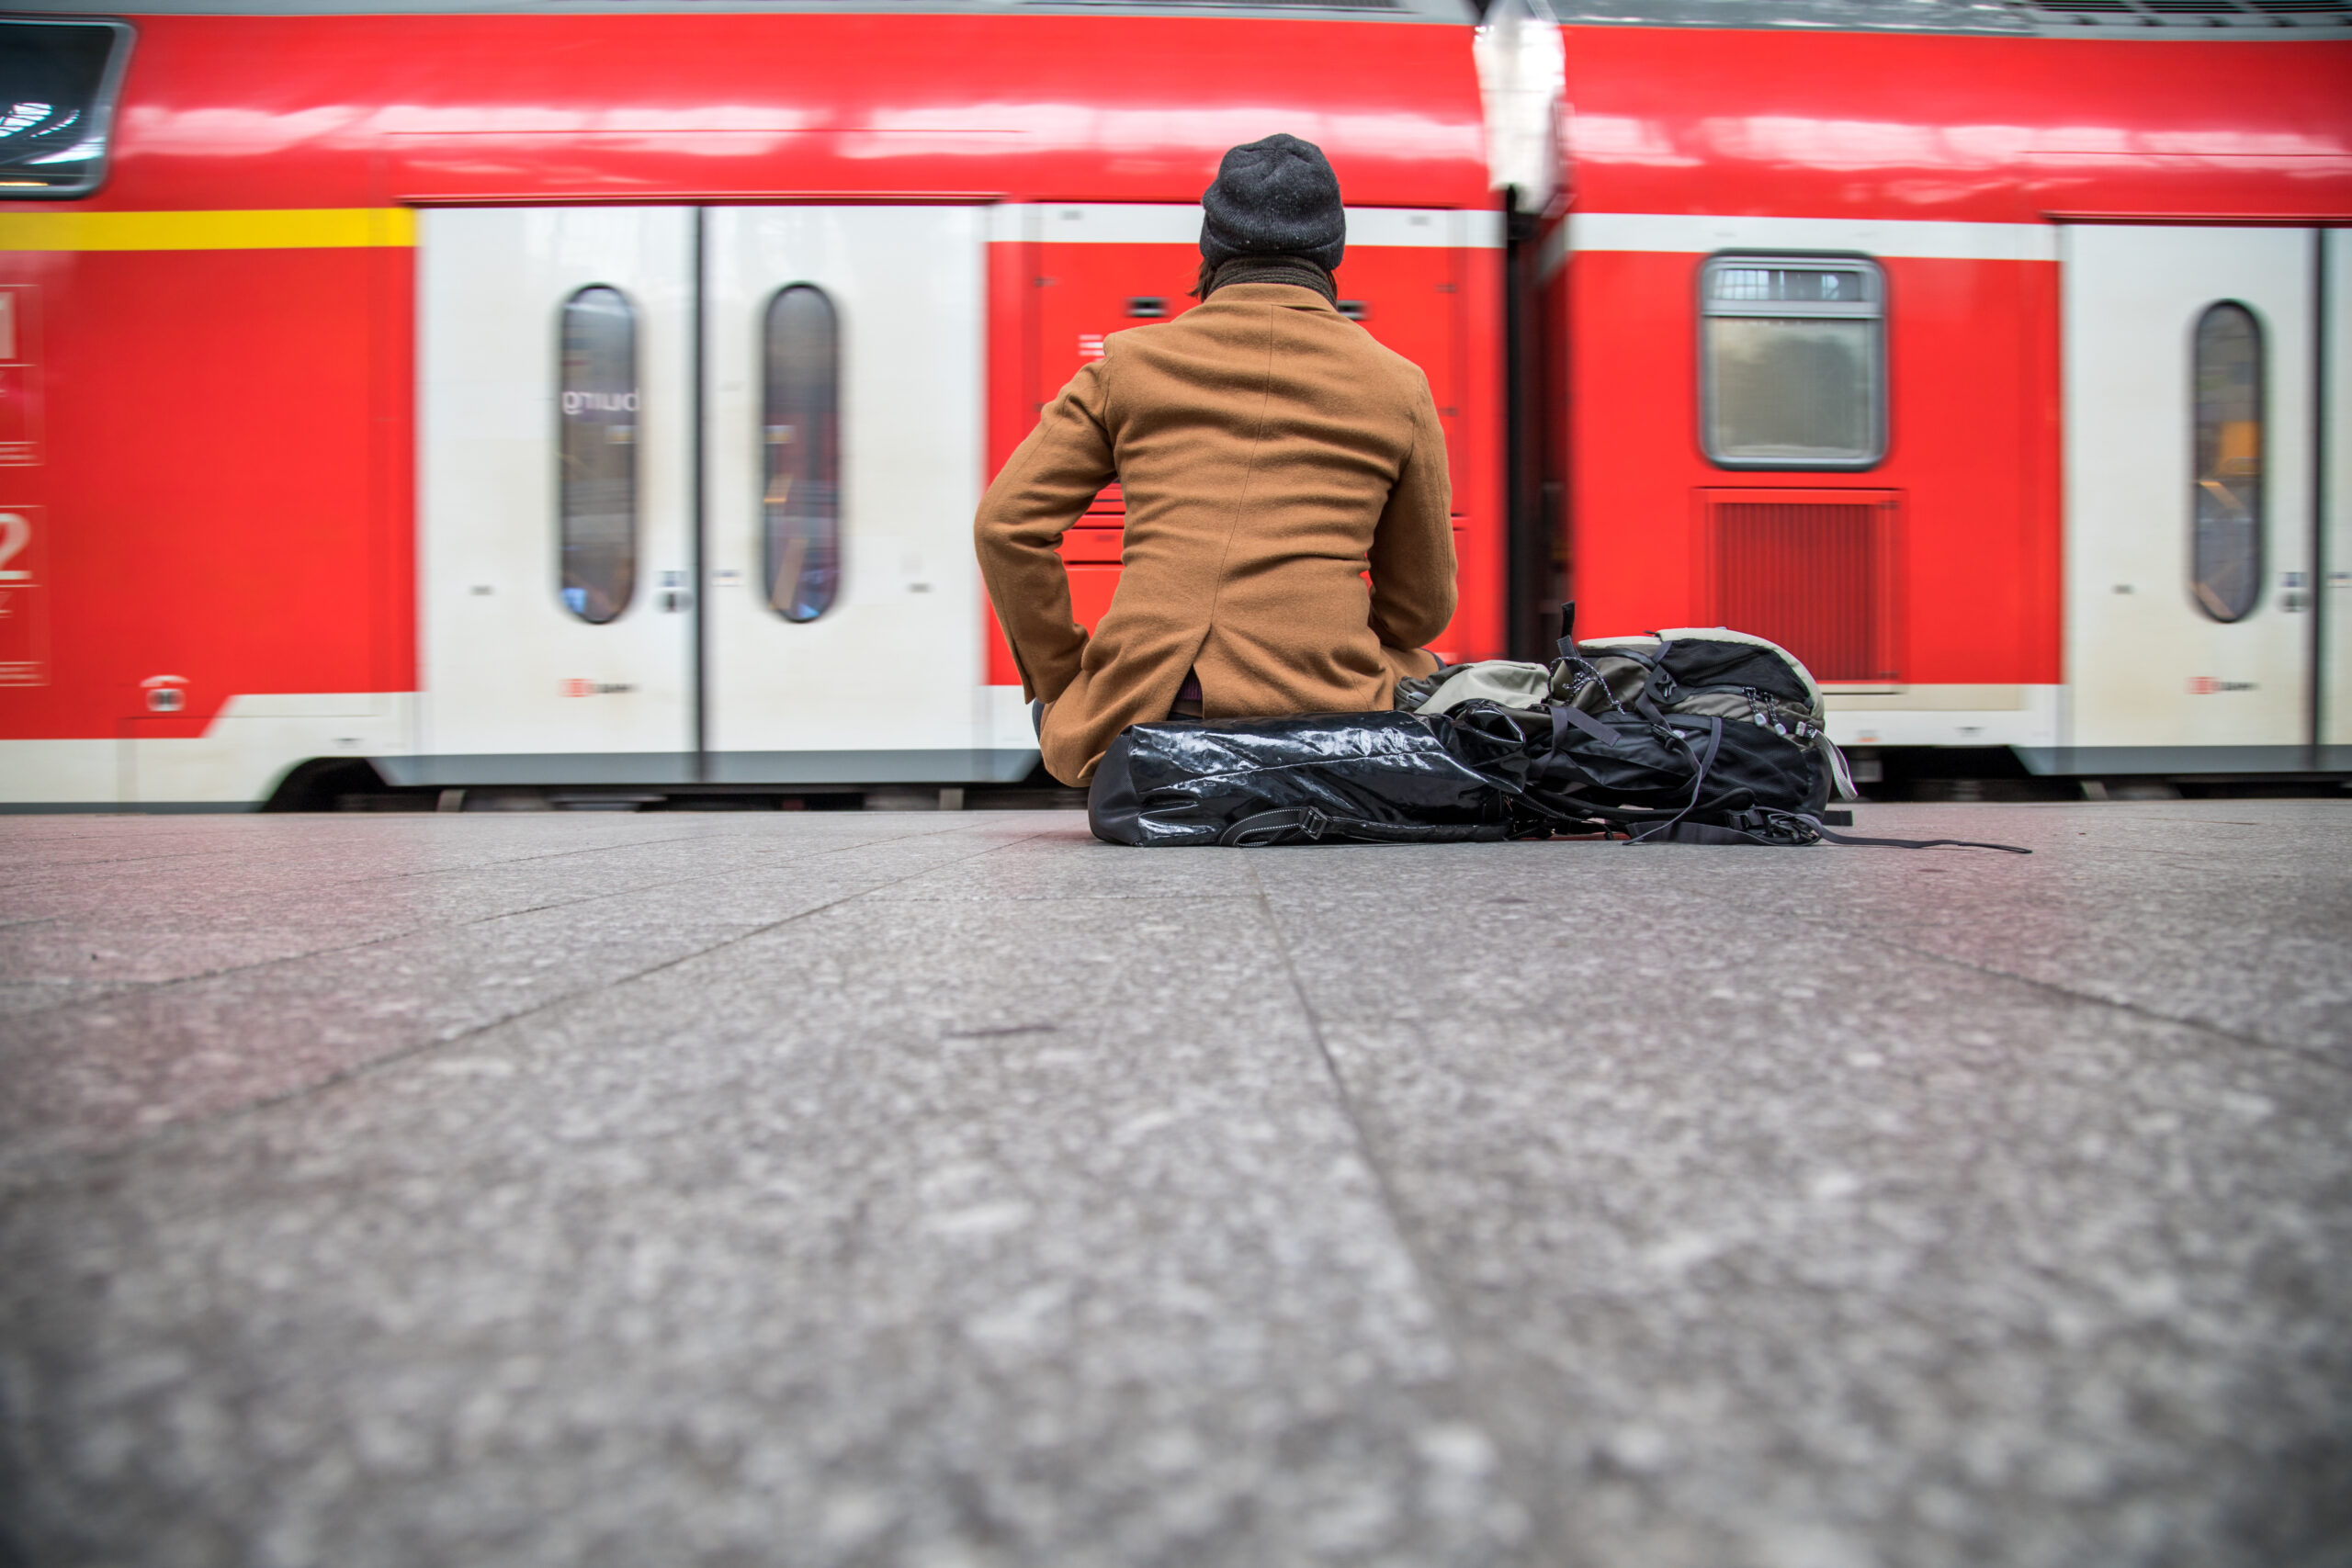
point(1811, 569)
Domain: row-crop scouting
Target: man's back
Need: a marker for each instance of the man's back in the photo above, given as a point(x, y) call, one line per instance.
point(1264, 401)
point(1268, 450)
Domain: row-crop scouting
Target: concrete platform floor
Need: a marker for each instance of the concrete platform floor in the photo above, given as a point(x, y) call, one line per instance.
point(952, 1191)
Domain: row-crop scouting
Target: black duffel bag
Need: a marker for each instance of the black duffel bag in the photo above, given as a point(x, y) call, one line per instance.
point(1702, 736)
point(1316, 778)
point(1481, 772)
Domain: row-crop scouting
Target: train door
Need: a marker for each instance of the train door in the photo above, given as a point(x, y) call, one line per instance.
point(2334, 602)
point(2189, 414)
point(844, 465)
point(656, 556)
point(557, 541)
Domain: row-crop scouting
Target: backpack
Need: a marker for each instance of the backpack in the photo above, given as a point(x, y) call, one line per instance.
point(1697, 735)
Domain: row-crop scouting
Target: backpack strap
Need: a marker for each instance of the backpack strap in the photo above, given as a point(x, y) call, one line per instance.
point(1717, 833)
point(1568, 628)
point(1565, 715)
point(1788, 829)
point(1308, 823)
point(1698, 785)
point(1915, 844)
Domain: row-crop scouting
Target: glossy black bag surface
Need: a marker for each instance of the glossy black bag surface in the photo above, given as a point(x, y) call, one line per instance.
point(1350, 777)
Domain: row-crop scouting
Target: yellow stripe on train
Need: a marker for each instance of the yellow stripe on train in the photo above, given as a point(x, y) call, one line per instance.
point(289, 229)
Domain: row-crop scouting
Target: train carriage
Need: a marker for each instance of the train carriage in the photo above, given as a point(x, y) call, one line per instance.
point(1992, 357)
point(596, 400)
point(588, 398)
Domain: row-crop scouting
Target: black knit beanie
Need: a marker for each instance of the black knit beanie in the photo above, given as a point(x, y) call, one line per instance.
point(1277, 197)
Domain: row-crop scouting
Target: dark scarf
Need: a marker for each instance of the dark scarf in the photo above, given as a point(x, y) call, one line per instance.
point(1294, 270)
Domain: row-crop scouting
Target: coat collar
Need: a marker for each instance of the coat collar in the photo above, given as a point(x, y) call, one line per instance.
point(1290, 295)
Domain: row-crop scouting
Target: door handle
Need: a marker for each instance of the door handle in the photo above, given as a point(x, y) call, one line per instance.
point(676, 599)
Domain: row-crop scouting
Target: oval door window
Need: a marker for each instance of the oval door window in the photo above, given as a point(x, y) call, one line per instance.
point(800, 498)
point(597, 402)
point(2225, 554)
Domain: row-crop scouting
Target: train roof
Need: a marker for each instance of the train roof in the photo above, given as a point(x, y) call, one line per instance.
point(2203, 20)
point(1457, 13)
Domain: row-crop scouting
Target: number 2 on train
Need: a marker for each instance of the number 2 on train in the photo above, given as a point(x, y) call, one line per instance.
point(15, 534)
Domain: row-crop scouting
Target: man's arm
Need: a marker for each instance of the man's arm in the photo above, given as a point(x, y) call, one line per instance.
point(1042, 488)
point(1412, 548)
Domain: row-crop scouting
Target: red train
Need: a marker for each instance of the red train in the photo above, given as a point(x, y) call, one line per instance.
point(2003, 376)
point(591, 399)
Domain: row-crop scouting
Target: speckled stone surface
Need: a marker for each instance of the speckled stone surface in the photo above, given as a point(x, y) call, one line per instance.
point(950, 1191)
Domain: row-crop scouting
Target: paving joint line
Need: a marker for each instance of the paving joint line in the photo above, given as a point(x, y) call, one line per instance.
point(150, 987)
point(1542, 1514)
point(2054, 988)
point(65, 874)
point(61, 868)
point(641, 843)
point(234, 853)
point(51, 1170)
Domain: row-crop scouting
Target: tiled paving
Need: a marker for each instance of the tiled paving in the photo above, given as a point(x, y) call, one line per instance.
point(950, 1191)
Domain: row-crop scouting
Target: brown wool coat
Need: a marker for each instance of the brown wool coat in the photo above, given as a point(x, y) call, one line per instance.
point(1269, 452)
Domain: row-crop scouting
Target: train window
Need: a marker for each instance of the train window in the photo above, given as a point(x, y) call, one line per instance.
point(801, 442)
point(58, 82)
point(597, 511)
point(2225, 556)
point(1793, 362)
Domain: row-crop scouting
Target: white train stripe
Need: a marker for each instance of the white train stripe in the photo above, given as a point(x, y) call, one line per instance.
point(1552, 253)
point(1700, 233)
point(1169, 223)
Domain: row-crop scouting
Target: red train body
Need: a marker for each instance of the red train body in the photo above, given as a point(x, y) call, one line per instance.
point(238, 417)
point(223, 487)
point(1970, 171)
